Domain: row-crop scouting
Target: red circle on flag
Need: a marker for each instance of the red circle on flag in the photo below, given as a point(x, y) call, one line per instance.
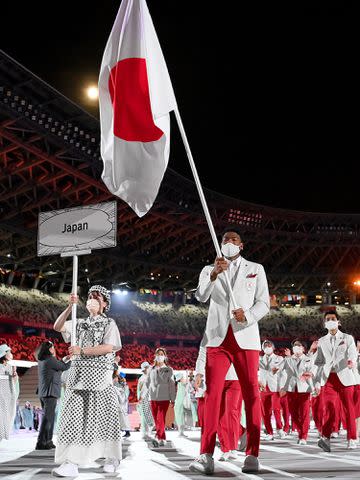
point(129, 91)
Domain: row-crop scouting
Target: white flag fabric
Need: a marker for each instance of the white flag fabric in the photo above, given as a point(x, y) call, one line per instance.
point(136, 96)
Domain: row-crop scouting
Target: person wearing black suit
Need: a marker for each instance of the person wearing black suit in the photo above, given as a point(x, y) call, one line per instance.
point(49, 389)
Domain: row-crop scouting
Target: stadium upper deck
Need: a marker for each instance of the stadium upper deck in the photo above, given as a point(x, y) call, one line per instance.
point(49, 159)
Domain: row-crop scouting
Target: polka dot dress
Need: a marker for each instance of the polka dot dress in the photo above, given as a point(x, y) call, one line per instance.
point(89, 425)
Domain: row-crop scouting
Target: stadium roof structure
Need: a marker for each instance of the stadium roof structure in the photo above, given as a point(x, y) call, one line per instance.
point(50, 159)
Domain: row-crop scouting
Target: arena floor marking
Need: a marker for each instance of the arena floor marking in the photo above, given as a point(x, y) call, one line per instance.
point(295, 451)
point(234, 467)
point(27, 475)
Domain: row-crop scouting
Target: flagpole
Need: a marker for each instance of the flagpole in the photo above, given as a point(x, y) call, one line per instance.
point(203, 200)
point(74, 306)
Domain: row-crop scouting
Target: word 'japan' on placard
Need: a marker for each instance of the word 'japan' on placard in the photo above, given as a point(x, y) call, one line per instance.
point(75, 229)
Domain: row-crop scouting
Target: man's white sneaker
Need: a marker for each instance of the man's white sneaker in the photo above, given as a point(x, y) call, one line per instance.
point(162, 443)
point(251, 464)
point(334, 435)
point(66, 469)
point(224, 457)
point(302, 441)
point(281, 433)
point(269, 437)
point(352, 444)
point(203, 464)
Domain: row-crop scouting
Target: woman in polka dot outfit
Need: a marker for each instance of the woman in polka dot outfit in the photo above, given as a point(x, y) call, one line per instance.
point(90, 417)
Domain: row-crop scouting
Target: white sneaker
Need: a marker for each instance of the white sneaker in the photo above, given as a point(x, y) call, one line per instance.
point(269, 437)
point(334, 435)
point(224, 457)
point(203, 464)
point(251, 464)
point(162, 443)
point(281, 433)
point(352, 445)
point(302, 441)
point(67, 469)
point(111, 465)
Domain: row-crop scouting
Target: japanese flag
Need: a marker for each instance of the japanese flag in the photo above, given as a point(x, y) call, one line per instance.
point(136, 96)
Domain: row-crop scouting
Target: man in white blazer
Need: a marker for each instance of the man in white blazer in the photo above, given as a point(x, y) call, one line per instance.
point(232, 336)
point(270, 367)
point(337, 374)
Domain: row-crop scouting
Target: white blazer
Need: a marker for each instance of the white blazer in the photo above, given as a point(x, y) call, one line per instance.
point(266, 376)
point(251, 294)
point(292, 372)
point(337, 359)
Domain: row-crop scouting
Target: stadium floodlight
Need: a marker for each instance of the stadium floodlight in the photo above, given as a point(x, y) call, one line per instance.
point(117, 291)
point(92, 92)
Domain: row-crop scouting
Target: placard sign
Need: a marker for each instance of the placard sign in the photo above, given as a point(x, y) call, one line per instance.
point(76, 229)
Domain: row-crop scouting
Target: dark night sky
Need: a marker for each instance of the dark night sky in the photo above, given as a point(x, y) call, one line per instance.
point(267, 94)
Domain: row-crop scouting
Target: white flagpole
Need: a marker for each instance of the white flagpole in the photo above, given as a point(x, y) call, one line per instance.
point(74, 305)
point(203, 201)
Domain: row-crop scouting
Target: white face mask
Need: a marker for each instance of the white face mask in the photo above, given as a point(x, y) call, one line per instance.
point(160, 358)
point(230, 250)
point(297, 349)
point(92, 304)
point(331, 324)
point(268, 350)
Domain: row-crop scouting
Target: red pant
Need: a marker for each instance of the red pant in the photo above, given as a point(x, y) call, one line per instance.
point(340, 417)
point(246, 363)
point(159, 409)
point(200, 411)
point(357, 400)
point(270, 402)
point(229, 421)
point(285, 413)
point(317, 409)
point(299, 406)
point(333, 390)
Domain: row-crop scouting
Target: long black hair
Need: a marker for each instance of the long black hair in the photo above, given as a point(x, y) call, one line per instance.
point(43, 351)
